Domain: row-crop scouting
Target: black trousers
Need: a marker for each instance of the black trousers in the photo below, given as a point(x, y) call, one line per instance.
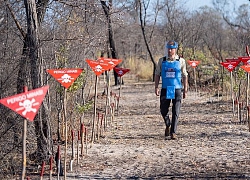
point(176, 105)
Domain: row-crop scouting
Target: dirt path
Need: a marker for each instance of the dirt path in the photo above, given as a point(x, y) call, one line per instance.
point(211, 144)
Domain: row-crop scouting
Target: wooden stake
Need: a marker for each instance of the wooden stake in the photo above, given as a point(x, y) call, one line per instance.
point(195, 84)
point(101, 126)
point(86, 140)
point(25, 89)
point(248, 118)
point(107, 105)
point(66, 136)
point(73, 150)
point(247, 93)
point(42, 170)
point(119, 95)
point(82, 138)
point(50, 167)
point(98, 126)
point(232, 98)
point(94, 118)
point(58, 161)
point(78, 142)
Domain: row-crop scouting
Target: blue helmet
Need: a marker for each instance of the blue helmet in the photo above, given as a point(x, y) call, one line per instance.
point(172, 45)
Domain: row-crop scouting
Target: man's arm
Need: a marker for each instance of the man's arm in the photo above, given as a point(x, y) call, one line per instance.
point(157, 80)
point(157, 77)
point(185, 84)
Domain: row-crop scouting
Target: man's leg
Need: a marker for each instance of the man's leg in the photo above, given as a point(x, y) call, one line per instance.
point(164, 107)
point(176, 110)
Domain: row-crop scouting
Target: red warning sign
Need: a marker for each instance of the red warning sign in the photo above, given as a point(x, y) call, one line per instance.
point(246, 68)
point(193, 63)
point(99, 67)
point(245, 60)
point(110, 61)
point(230, 66)
point(121, 71)
point(232, 60)
point(65, 76)
point(26, 104)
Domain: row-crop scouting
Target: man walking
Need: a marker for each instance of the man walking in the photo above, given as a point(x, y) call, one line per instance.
point(172, 70)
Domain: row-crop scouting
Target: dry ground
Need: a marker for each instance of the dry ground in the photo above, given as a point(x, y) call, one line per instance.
point(211, 143)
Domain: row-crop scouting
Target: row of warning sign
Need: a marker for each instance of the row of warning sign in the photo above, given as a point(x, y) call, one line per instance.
point(27, 103)
point(231, 64)
point(67, 76)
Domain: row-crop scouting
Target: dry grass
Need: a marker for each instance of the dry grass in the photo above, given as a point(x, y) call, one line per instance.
point(141, 67)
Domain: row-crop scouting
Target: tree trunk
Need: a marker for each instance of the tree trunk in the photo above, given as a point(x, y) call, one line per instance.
point(112, 47)
point(41, 121)
point(142, 23)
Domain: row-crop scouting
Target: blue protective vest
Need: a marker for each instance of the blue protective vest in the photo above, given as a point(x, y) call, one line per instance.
point(171, 74)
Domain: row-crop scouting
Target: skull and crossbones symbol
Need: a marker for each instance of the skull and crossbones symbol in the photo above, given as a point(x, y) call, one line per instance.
point(66, 78)
point(98, 68)
point(27, 106)
point(120, 72)
point(230, 66)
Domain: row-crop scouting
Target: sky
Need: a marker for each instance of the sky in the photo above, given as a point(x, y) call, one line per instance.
point(195, 4)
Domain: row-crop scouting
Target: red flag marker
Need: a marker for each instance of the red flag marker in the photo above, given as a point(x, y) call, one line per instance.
point(65, 76)
point(230, 66)
point(121, 71)
point(246, 68)
point(98, 67)
point(245, 60)
point(232, 60)
point(193, 63)
point(26, 104)
point(110, 61)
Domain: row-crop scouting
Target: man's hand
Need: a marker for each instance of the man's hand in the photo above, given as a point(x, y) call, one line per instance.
point(184, 94)
point(157, 92)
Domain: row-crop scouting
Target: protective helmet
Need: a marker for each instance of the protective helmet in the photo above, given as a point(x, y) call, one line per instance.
point(172, 45)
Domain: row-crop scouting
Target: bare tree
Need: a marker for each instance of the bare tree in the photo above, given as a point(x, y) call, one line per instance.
point(107, 11)
point(29, 69)
point(143, 6)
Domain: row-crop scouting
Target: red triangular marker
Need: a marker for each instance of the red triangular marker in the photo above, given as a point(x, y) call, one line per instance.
point(230, 65)
point(246, 68)
point(26, 104)
point(121, 71)
point(110, 61)
point(98, 67)
point(65, 76)
point(232, 60)
point(245, 60)
point(193, 63)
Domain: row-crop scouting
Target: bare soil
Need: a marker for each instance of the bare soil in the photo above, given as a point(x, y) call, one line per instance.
point(211, 144)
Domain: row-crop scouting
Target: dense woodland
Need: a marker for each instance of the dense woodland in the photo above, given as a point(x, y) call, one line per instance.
point(36, 35)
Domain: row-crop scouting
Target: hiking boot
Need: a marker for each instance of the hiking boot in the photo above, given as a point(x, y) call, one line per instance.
point(167, 131)
point(173, 136)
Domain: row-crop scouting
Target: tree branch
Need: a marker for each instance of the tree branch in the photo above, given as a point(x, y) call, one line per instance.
point(15, 20)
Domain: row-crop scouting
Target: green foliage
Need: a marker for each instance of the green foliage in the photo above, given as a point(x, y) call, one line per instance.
point(235, 88)
point(83, 108)
point(59, 88)
point(61, 56)
point(241, 74)
point(78, 83)
point(226, 77)
point(197, 55)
